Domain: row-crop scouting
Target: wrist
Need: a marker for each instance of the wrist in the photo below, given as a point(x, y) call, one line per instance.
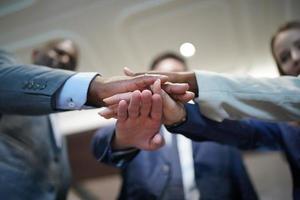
point(179, 120)
point(190, 78)
point(177, 123)
point(117, 143)
point(95, 88)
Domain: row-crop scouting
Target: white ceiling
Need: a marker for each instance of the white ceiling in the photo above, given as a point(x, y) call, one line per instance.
point(229, 35)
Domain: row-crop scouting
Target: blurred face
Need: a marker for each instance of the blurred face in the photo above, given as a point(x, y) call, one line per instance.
point(287, 51)
point(62, 55)
point(170, 65)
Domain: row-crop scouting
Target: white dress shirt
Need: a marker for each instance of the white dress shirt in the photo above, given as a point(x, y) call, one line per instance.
point(185, 152)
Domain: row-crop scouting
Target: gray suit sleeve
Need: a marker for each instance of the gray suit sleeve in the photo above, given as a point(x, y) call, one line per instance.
point(223, 96)
point(28, 89)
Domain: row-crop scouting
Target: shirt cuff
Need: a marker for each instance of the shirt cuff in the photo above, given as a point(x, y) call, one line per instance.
point(73, 94)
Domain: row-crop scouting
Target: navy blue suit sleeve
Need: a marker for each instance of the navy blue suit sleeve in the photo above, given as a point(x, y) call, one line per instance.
point(242, 134)
point(101, 147)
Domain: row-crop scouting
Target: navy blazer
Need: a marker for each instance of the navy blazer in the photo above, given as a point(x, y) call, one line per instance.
point(248, 134)
point(219, 170)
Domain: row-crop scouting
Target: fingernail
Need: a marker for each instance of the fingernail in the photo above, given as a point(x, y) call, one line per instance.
point(104, 111)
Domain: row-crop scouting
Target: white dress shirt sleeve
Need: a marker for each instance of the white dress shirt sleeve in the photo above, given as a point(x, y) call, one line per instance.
point(73, 94)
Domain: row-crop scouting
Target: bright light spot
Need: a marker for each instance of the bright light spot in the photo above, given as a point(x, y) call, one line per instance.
point(187, 49)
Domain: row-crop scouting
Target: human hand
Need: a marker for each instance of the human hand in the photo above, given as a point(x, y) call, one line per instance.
point(173, 111)
point(101, 88)
point(174, 77)
point(138, 123)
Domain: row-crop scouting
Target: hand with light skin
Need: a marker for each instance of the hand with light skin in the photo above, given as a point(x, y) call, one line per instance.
point(173, 111)
point(178, 91)
point(138, 123)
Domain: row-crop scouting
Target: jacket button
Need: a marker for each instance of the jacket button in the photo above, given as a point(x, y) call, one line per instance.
point(30, 85)
point(43, 86)
point(165, 168)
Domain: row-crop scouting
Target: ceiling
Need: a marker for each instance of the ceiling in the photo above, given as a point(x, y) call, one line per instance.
point(229, 35)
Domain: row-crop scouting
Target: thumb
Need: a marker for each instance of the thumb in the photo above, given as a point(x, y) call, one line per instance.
point(128, 72)
point(156, 142)
point(156, 88)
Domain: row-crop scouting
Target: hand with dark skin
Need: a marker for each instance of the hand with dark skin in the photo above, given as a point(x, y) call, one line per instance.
point(101, 88)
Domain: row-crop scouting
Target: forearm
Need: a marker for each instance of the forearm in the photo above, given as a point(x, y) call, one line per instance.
point(28, 89)
point(230, 97)
point(243, 134)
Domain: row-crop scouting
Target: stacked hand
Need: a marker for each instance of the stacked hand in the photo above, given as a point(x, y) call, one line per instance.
point(101, 88)
point(140, 114)
point(139, 122)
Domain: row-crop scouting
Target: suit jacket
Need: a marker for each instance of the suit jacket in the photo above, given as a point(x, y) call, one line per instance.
point(31, 165)
point(219, 170)
point(230, 97)
point(28, 89)
point(249, 134)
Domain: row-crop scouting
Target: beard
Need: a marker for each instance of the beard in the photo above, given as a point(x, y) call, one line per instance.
point(54, 63)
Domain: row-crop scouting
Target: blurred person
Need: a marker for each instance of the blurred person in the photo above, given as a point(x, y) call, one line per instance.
point(36, 163)
point(181, 169)
point(58, 54)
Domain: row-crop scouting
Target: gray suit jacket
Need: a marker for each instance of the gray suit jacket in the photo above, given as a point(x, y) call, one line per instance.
point(28, 89)
point(31, 165)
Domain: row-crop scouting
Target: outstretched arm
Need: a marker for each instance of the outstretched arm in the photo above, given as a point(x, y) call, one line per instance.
point(223, 96)
point(33, 89)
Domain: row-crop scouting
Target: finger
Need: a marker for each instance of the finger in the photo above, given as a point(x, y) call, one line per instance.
point(168, 102)
point(114, 107)
point(128, 72)
point(107, 113)
point(163, 75)
point(144, 81)
point(156, 109)
point(115, 99)
point(175, 88)
point(184, 98)
point(156, 142)
point(122, 111)
point(134, 105)
point(146, 103)
point(156, 88)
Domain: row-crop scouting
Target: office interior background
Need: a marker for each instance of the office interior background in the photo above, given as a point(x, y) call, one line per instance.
point(231, 36)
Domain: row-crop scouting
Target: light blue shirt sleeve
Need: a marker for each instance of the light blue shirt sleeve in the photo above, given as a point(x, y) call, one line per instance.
point(73, 94)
